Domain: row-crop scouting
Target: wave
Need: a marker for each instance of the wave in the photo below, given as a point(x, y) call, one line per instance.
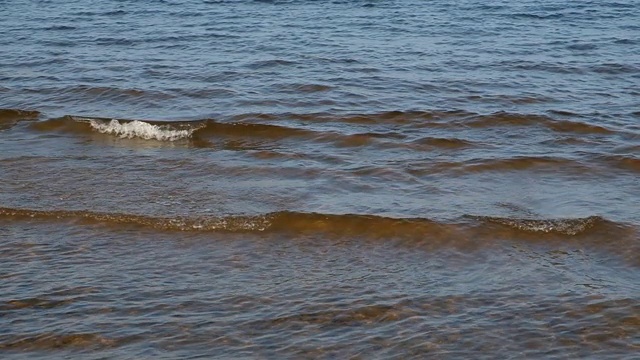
point(616, 68)
point(141, 129)
point(561, 226)
point(148, 130)
point(429, 118)
point(249, 129)
point(454, 119)
point(10, 117)
point(536, 16)
point(263, 64)
point(340, 225)
point(198, 130)
point(395, 125)
point(230, 224)
point(617, 316)
point(52, 341)
point(506, 119)
point(622, 162)
point(59, 28)
point(304, 88)
point(522, 163)
point(516, 163)
point(350, 316)
point(105, 93)
point(445, 143)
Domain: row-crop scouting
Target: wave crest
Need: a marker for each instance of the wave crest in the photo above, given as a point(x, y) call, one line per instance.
point(559, 226)
point(141, 129)
point(229, 223)
point(10, 117)
point(350, 225)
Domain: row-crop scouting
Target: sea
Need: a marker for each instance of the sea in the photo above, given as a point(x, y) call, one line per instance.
point(298, 179)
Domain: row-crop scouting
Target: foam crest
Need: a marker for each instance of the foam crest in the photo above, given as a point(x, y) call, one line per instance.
point(344, 225)
point(141, 129)
point(229, 223)
point(561, 226)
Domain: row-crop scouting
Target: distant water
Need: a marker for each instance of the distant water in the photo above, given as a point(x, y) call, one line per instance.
point(320, 179)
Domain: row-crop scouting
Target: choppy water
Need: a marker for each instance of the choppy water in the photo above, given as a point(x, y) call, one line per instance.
point(317, 179)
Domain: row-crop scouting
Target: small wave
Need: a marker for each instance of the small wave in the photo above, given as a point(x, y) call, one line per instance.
point(504, 119)
point(518, 163)
point(445, 143)
point(561, 226)
point(111, 41)
point(10, 117)
point(48, 300)
point(303, 88)
point(59, 28)
point(521, 163)
point(362, 314)
point(577, 127)
point(623, 162)
point(111, 92)
point(558, 68)
point(17, 114)
point(537, 16)
point(33, 303)
point(626, 41)
point(248, 129)
point(510, 99)
point(264, 64)
point(616, 69)
point(332, 225)
point(140, 129)
point(104, 93)
point(582, 47)
point(199, 130)
point(272, 127)
point(231, 223)
point(50, 341)
point(415, 117)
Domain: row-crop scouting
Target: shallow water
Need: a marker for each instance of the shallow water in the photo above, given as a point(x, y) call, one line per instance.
point(306, 179)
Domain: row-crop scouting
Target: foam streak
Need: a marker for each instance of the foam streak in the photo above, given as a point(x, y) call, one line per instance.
point(140, 129)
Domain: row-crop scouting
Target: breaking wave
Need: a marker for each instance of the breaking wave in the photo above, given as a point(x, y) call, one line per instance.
point(452, 119)
point(560, 226)
point(231, 223)
point(280, 125)
point(342, 225)
point(126, 129)
point(140, 129)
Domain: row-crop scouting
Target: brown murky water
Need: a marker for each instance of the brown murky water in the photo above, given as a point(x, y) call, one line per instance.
point(298, 179)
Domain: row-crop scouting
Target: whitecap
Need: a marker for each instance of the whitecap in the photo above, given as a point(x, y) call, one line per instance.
point(141, 129)
point(562, 226)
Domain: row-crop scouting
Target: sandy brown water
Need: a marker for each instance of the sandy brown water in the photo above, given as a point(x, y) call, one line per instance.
point(307, 179)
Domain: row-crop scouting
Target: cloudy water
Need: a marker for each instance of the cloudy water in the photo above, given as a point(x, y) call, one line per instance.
point(319, 179)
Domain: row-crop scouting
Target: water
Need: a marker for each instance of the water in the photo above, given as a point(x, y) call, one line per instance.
point(315, 179)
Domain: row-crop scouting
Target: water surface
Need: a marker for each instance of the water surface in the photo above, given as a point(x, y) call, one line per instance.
point(316, 179)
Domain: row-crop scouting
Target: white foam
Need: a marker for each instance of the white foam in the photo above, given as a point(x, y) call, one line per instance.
point(563, 226)
point(140, 129)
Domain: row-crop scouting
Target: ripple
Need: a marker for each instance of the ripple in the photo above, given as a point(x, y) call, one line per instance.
point(52, 341)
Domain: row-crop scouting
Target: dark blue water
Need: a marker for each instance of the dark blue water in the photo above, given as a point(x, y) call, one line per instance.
point(319, 179)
